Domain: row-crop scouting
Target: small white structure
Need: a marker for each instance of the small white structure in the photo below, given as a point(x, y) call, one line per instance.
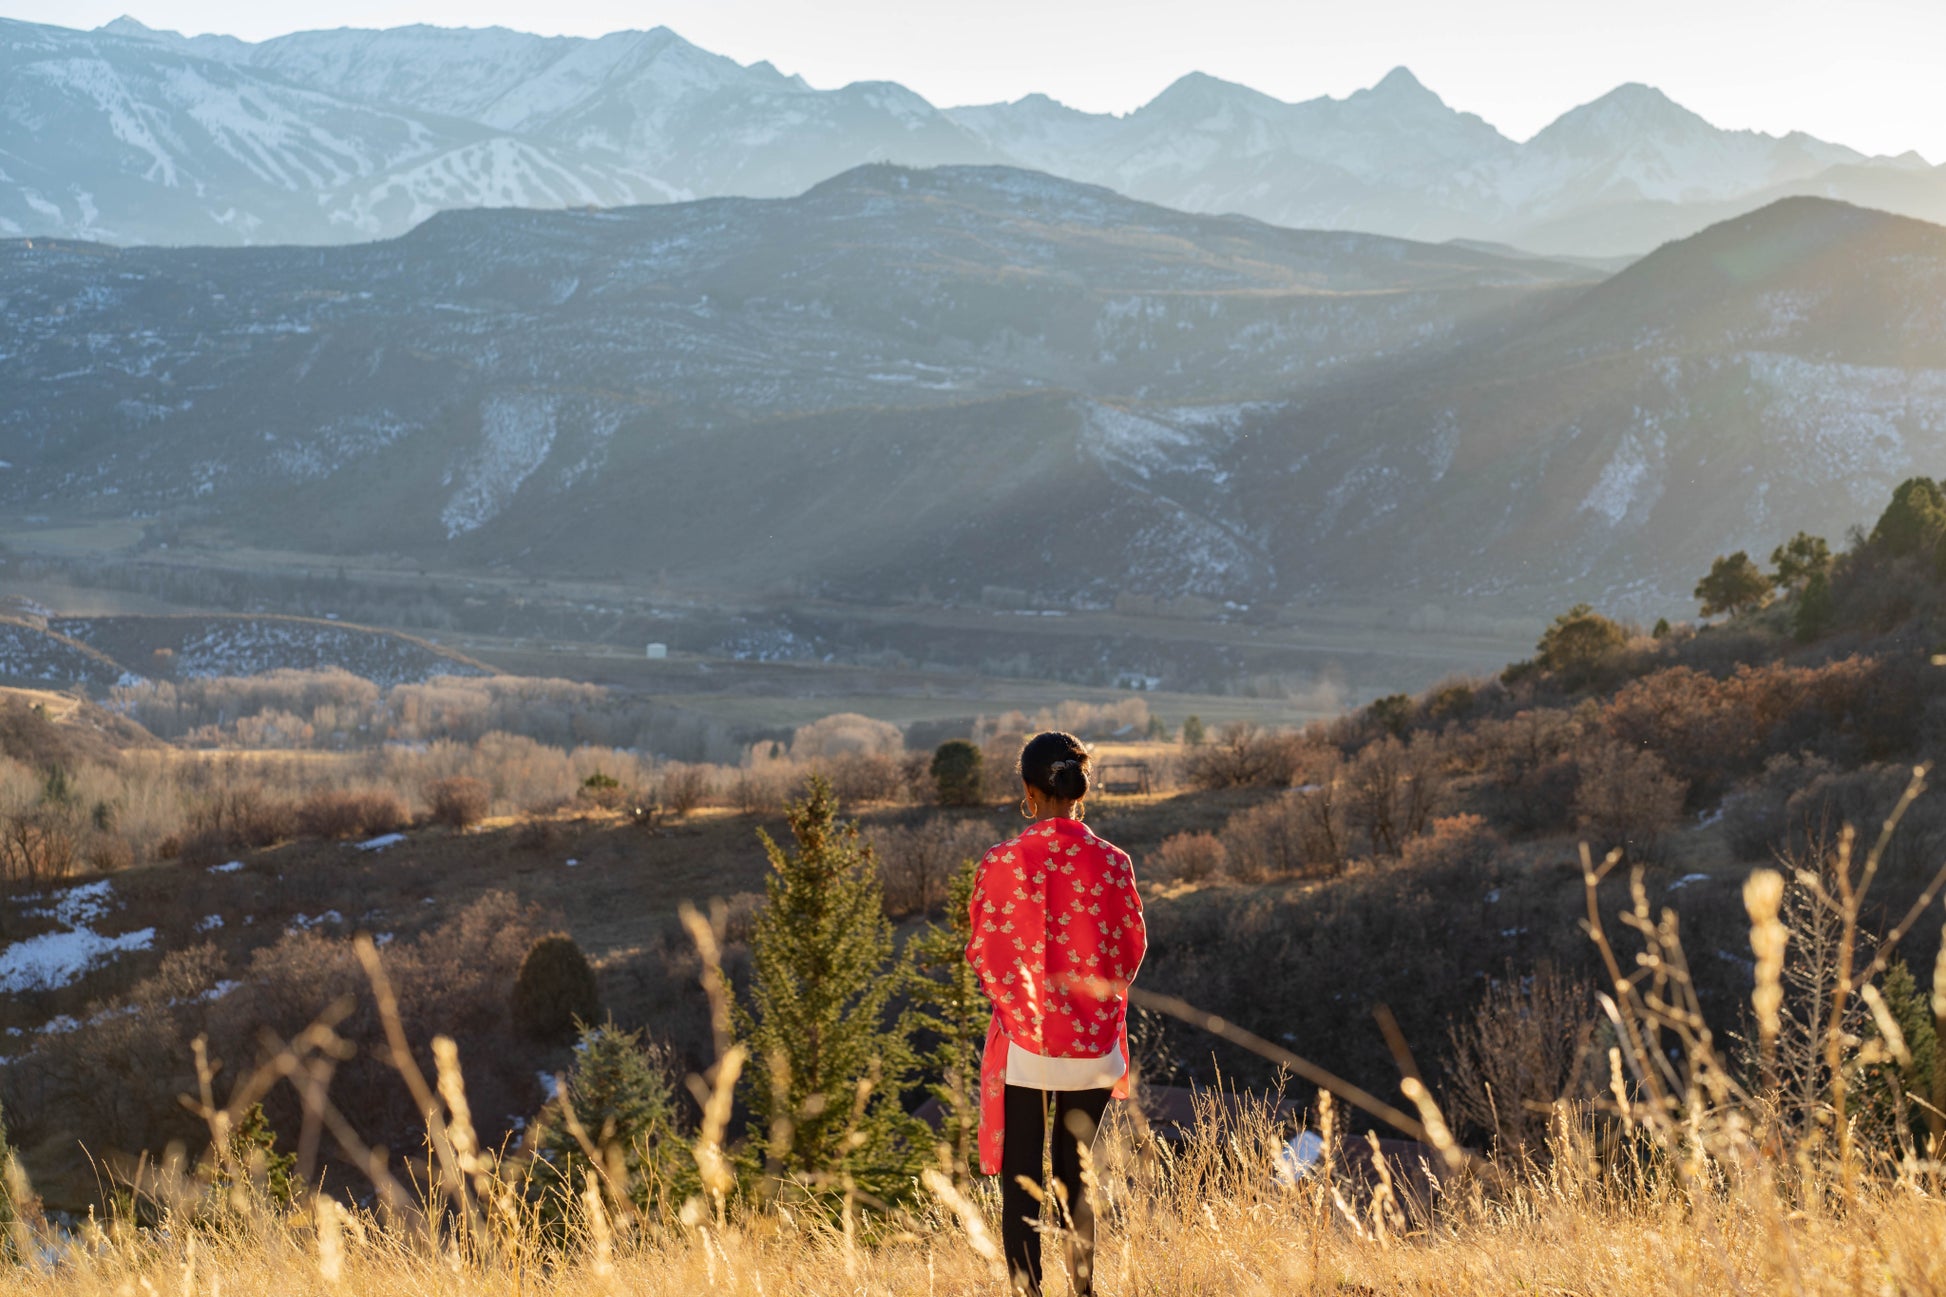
point(657, 652)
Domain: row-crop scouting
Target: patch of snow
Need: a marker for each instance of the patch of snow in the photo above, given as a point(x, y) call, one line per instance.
point(51, 960)
point(209, 923)
point(305, 922)
point(1687, 879)
point(517, 433)
point(381, 842)
point(229, 868)
point(79, 905)
point(1631, 480)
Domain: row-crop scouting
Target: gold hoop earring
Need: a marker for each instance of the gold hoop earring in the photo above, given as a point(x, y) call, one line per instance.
point(1026, 811)
point(1080, 812)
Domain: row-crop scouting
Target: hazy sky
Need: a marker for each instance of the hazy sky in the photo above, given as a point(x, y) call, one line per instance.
point(1861, 72)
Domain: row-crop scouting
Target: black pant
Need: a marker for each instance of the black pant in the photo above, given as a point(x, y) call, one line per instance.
point(1077, 1118)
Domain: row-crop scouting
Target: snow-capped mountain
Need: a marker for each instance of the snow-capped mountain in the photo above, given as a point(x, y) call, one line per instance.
point(135, 135)
point(128, 138)
point(1616, 176)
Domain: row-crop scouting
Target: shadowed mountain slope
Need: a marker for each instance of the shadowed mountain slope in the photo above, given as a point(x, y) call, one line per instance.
point(943, 380)
point(875, 371)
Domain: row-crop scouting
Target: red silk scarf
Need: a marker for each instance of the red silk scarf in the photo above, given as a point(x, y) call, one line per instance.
point(1057, 937)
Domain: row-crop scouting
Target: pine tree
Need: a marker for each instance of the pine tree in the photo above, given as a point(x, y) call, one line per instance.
point(952, 1012)
point(1799, 559)
point(1915, 519)
point(956, 772)
point(828, 1056)
point(254, 1159)
point(1734, 585)
point(620, 1095)
point(1814, 614)
point(1911, 1009)
point(1577, 642)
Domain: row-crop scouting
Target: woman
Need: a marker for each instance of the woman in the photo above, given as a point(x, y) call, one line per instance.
point(1057, 937)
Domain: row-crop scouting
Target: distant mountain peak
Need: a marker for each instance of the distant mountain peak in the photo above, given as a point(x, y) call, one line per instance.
point(1401, 84)
point(135, 28)
point(1629, 108)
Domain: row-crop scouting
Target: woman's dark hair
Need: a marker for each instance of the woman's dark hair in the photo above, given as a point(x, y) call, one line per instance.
point(1057, 764)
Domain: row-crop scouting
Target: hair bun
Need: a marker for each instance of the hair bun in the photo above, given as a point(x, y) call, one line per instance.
point(1056, 763)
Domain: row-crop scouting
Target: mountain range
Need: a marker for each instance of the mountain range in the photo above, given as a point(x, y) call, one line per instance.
point(933, 381)
point(130, 135)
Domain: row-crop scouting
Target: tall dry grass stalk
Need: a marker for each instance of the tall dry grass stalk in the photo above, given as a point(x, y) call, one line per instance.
point(1687, 1177)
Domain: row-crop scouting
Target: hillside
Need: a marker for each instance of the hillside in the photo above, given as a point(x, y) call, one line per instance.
point(501, 387)
point(126, 134)
point(96, 653)
point(904, 368)
point(1790, 364)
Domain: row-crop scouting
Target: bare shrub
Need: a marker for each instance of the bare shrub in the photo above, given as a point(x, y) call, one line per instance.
point(458, 801)
point(1626, 799)
point(239, 817)
point(755, 792)
point(1830, 799)
point(107, 853)
point(682, 788)
point(37, 845)
point(338, 813)
point(846, 734)
point(1463, 841)
point(1188, 858)
point(1755, 816)
point(918, 863)
point(455, 980)
point(1394, 791)
point(1304, 832)
point(1526, 766)
point(1243, 755)
point(858, 778)
point(1526, 1045)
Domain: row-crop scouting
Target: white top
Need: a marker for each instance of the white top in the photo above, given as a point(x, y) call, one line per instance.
point(1034, 1071)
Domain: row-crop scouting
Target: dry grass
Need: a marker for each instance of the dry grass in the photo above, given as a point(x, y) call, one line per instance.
point(1687, 1178)
point(1262, 1244)
point(1203, 1217)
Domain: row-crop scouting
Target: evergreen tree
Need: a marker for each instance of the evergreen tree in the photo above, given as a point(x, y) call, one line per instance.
point(952, 1012)
point(254, 1157)
point(1799, 559)
point(828, 1056)
point(956, 772)
point(1734, 585)
point(1911, 1009)
point(619, 1092)
point(1192, 731)
point(1914, 521)
point(1577, 641)
point(555, 990)
point(1814, 613)
point(1392, 713)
